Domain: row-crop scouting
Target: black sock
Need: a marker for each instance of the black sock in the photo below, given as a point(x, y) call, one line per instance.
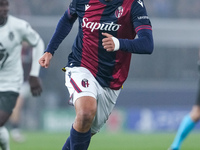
point(66, 146)
point(79, 141)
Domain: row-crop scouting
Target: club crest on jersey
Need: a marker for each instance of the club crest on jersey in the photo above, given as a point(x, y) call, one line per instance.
point(85, 83)
point(11, 36)
point(119, 12)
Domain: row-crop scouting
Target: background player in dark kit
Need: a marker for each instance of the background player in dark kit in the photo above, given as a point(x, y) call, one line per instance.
point(99, 62)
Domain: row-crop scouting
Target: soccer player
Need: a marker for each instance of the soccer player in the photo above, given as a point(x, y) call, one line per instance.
point(12, 32)
point(189, 121)
point(99, 62)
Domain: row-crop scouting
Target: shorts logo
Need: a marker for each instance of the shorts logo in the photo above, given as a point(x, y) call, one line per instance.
point(85, 83)
point(69, 74)
point(119, 12)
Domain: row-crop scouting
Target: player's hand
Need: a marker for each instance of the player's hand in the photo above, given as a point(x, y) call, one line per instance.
point(44, 61)
point(108, 42)
point(35, 85)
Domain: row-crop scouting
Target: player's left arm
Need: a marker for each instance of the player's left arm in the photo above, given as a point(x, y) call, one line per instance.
point(144, 43)
point(63, 28)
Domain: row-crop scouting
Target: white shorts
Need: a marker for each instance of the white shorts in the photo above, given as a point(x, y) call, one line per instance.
point(80, 82)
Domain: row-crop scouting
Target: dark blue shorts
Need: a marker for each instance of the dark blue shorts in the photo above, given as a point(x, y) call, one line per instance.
point(8, 101)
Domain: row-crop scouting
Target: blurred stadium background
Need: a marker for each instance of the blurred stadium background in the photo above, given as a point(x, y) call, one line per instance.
point(161, 88)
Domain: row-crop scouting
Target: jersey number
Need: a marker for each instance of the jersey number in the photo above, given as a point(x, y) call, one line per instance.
point(3, 57)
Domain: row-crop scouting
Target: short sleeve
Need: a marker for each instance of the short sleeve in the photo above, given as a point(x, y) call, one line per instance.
point(30, 35)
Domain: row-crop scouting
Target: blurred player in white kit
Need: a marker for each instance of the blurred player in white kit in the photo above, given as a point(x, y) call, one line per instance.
point(13, 32)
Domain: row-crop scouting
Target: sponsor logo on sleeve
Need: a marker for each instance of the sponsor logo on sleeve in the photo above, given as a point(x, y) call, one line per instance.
point(142, 17)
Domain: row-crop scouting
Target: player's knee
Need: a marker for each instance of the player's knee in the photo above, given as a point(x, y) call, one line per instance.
point(86, 116)
point(198, 114)
point(195, 113)
point(83, 121)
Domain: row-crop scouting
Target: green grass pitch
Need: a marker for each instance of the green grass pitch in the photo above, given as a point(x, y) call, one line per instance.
point(107, 141)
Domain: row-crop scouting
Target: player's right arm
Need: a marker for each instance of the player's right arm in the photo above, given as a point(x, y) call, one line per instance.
point(63, 28)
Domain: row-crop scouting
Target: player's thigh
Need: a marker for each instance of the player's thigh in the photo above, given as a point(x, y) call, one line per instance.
point(105, 103)
point(3, 117)
point(7, 103)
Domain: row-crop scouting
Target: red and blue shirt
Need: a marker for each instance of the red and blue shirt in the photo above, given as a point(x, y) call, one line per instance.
point(121, 18)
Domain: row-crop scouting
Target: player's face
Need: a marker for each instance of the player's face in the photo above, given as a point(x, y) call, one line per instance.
point(3, 10)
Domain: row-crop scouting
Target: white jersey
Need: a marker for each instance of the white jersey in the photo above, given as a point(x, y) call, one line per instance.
point(11, 36)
